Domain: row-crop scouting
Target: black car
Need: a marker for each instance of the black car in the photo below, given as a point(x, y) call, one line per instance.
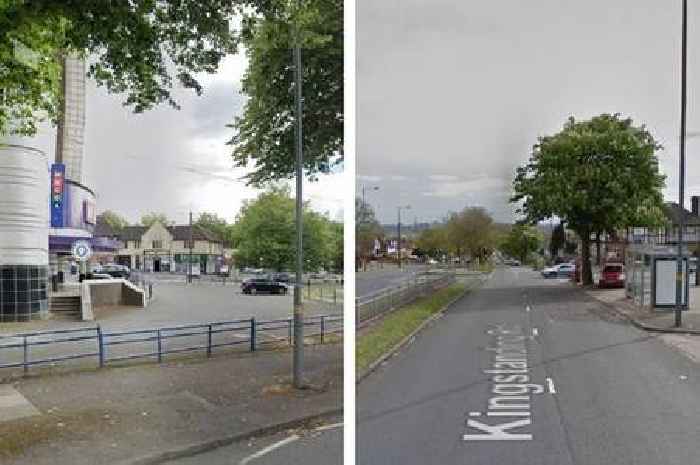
point(265, 285)
point(283, 277)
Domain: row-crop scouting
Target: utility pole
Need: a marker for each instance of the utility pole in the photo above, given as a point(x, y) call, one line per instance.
point(398, 245)
point(298, 308)
point(189, 261)
point(681, 179)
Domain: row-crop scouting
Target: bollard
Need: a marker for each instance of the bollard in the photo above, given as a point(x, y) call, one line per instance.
point(100, 346)
point(209, 342)
point(291, 324)
point(26, 355)
point(308, 289)
point(335, 295)
point(323, 327)
point(252, 334)
point(160, 347)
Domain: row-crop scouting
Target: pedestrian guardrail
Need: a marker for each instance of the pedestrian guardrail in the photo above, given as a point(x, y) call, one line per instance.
point(378, 303)
point(17, 350)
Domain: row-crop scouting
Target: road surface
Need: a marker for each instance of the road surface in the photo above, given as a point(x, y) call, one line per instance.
point(530, 371)
point(370, 282)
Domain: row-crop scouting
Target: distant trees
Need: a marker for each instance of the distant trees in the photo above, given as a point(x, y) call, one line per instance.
point(149, 219)
point(597, 176)
point(115, 221)
point(521, 241)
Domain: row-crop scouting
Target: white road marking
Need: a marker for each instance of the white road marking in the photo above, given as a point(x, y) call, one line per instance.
point(474, 414)
point(269, 449)
point(535, 332)
point(550, 386)
point(527, 308)
point(328, 427)
point(284, 442)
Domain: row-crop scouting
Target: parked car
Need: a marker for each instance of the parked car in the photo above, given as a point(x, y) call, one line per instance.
point(511, 262)
point(98, 276)
point(563, 270)
point(283, 277)
point(612, 275)
point(263, 285)
point(116, 271)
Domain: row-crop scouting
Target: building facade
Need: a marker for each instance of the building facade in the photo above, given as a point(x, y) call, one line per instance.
point(161, 248)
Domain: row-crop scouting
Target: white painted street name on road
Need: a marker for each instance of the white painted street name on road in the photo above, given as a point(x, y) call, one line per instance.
point(512, 389)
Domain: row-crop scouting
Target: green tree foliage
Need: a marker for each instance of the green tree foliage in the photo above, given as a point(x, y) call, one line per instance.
point(521, 242)
point(264, 134)
point(367, 231)
point(471, 232)
point(138, 48)
point(149, 219)
point(266, 235)
point(115, 221)
point(214, 223)
point(596, 175)
point(433, 241)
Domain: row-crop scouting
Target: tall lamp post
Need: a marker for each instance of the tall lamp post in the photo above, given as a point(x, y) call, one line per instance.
point(398, 245)
point(681, 180)
point(374, 188)
point(298, 359)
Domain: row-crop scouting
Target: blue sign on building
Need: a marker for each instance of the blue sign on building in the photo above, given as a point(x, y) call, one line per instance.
point(58, 186)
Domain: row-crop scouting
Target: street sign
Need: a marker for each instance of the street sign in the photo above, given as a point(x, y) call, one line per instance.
point(81, 250)
point(58, 174)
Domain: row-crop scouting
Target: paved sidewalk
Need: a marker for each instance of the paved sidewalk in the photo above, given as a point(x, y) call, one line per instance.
point(121, 415)
point(652, 319)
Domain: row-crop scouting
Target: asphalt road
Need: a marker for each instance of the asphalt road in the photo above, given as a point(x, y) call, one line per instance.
point(369, 282)
point(572, 386)
point(321, 445)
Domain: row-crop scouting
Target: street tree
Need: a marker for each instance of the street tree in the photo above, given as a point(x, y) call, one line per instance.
point(367, 232)
point(135, 48)
point(471, 232)
point(521, 242)
point(265, 233)
point(115, 221)
point(264, 135)
point(149, 219)
point(596, 175)
point(433, 241)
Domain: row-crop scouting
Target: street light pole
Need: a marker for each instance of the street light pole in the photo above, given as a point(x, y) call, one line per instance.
point(298, 308)
point(398, 245)
point(681, 180)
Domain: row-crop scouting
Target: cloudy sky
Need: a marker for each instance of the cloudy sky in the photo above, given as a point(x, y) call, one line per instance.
point(451, 95)
point(172, 161)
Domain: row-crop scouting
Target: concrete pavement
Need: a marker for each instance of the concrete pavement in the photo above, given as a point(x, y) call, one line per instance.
point(592, 390)
point(139, 414)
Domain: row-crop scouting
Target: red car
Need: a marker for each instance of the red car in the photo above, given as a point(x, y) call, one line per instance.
point(612, 275)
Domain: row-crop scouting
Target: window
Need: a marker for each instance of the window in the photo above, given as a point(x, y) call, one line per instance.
point(157, 244)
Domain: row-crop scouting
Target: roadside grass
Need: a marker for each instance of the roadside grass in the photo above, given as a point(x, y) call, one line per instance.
point(388, 332)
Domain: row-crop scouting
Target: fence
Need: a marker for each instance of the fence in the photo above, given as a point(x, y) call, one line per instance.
point(113, 346)
point(386, 300)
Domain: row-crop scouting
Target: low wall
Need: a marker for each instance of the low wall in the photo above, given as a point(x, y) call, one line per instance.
point(99, 292)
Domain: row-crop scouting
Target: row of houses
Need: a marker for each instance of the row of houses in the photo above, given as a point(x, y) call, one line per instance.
point(165, 248)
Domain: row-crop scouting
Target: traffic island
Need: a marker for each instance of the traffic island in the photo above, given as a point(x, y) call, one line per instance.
point(384, 337)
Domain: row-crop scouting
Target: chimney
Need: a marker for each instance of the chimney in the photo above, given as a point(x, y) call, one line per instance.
point(695, 202)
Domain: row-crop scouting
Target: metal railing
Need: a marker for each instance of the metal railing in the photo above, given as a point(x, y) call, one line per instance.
point(378, 303)
point(112, 346)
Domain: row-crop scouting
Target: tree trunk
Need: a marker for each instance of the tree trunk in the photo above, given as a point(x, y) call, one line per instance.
point(586, 273)
point(597, 248)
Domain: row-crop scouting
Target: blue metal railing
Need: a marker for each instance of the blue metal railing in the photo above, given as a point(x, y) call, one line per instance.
point(158, 341)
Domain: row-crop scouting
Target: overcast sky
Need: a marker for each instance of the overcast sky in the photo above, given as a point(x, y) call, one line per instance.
point(172, 161)
point(451, 95)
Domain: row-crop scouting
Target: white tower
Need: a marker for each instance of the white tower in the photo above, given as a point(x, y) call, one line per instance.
point(71, 126)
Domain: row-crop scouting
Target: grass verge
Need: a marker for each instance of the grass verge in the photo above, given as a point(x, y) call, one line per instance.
point(388, 332)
